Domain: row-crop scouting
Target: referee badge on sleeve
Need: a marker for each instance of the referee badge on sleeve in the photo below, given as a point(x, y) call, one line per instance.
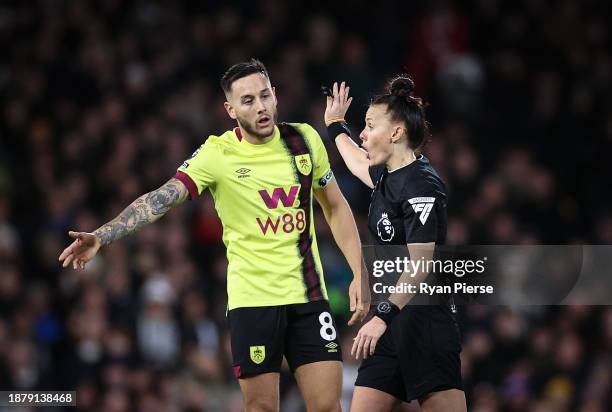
point(422, 206)
point(303, 163)
point(258, 354)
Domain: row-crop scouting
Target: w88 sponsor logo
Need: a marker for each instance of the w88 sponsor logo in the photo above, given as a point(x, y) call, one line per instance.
point(288, 221)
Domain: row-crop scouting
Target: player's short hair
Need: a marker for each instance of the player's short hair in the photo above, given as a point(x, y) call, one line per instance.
point(403, 106)
point(240, 70)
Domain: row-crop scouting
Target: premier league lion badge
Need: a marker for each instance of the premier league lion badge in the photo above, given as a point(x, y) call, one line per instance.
point(385, 229)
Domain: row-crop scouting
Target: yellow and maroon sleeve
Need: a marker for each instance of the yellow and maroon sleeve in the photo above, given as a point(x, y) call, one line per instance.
point(199, 171)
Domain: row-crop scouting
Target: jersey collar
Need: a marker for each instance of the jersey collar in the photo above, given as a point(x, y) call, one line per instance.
point(250, 146)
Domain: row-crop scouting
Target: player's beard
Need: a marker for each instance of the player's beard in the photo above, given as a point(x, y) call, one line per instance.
point(251, 128)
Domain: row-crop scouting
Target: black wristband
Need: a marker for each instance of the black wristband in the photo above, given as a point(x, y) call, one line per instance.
point(386, 311)
point(336, 128)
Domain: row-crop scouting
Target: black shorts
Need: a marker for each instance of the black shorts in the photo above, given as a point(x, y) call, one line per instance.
point(417, 355)
point(260, 336)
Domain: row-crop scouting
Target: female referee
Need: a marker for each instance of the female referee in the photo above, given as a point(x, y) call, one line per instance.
point(410, 352)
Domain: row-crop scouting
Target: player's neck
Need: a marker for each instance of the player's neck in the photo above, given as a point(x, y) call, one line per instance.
point(399, 160)
point(256, 139)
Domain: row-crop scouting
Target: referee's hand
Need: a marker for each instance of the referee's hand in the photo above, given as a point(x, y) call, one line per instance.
point(337, 105)
point(365, 342)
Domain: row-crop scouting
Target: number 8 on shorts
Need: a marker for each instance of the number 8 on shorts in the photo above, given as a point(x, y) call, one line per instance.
point(328, 332)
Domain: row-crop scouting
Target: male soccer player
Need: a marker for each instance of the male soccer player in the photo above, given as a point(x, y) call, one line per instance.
point(262, 177)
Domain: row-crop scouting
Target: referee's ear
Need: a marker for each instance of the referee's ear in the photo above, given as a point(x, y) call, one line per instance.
point(397, 133)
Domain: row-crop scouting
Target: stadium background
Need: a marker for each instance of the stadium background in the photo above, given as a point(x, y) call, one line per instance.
point(102, 100)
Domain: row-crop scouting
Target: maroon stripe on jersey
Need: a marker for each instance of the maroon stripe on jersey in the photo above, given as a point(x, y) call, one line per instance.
point(188, 182)
point(238, 133)
point(296, 145)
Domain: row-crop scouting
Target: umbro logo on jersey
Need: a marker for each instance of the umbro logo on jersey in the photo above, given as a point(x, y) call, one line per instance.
point(243, 172)
point(332, 347)
point(422, 206)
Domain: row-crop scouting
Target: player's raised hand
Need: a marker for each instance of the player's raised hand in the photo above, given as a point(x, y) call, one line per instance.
point(81, 251)
point(337, 105)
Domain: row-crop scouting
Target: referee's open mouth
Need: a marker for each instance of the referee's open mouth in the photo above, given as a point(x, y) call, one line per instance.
point(264, 121)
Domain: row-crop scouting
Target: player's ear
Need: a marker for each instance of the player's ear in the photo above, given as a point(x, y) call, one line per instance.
point(230, 110)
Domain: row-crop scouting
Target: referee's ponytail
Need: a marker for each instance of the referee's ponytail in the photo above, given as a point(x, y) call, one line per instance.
point(406, 108)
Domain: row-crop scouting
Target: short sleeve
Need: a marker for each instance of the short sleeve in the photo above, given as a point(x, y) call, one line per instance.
point(421, 217)
point(375, 172)
point(199, 171)
point(322, 173)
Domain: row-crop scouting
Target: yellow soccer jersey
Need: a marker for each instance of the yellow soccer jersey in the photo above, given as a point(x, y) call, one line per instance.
point(263, 195)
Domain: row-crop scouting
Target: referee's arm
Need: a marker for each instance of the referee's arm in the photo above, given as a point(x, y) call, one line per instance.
point(355, 158)
point(418, 252)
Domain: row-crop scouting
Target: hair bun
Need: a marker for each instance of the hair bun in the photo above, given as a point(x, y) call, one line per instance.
point(401, 86)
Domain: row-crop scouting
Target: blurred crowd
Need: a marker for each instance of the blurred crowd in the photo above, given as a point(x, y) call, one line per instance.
point(102, 100)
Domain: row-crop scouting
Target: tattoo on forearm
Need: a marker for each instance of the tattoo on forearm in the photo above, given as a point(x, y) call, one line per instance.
point(146, 209)
point(162, 199)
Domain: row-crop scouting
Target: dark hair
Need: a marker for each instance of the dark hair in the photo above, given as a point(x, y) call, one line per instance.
point(406, 108)
point(240, 70)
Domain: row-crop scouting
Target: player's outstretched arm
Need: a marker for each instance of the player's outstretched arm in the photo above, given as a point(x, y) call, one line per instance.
point(342, 224)
point(355, 158)
point(146, 209)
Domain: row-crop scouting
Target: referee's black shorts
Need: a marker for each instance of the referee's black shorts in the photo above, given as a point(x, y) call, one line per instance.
point(417, 355)
point(303, 333)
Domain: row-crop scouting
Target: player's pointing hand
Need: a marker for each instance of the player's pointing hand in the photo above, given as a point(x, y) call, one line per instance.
point(81, 251)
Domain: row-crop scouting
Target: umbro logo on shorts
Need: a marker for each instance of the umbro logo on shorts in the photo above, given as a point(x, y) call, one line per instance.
point(332, 347)
point(422, 206)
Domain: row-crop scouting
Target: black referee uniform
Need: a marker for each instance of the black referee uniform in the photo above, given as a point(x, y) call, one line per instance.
point(419, 351)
